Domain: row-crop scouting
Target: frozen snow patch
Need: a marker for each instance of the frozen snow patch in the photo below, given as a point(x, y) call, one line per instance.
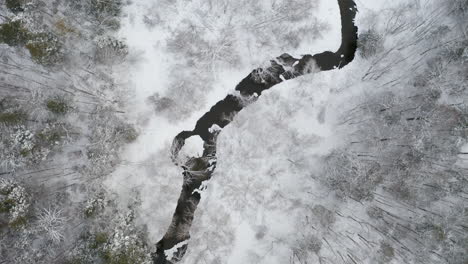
point(214, 128)
point(170, 252)
point(193, 147)
point(201, 189)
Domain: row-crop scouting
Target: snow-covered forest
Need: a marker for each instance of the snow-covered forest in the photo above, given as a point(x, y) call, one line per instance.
point(365, 164)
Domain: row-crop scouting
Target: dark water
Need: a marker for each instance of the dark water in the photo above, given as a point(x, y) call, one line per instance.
point(197, 170)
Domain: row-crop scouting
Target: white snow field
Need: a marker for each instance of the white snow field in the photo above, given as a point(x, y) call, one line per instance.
point(359, 165)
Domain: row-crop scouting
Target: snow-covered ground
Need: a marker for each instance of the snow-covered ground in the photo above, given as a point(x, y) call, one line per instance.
point(358, 165)
point(149, 29)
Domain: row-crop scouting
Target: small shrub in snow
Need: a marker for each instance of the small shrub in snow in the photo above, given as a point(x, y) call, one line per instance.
point(325, 217)
point(44, 49)
point(94, 206)
point(127, 132)
point(369, 43)
point(14, 202)
point(15, 6)
point(108, 135)
point(51, 221)
point(460, 7)
point(57, 106)
point(52, 135)
point(14, 33)
point(386, 252)
point(110, 50)
point(118, 242)
point(17, 148)
point(105, 12)
point(351, 177)
point(105, 7)
point(63, 27)
point(12, 118)
point(126, 245)
point(24, 140)
point(100, 238)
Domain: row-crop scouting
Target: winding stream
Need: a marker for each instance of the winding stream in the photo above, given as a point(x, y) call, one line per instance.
point(199, 169)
